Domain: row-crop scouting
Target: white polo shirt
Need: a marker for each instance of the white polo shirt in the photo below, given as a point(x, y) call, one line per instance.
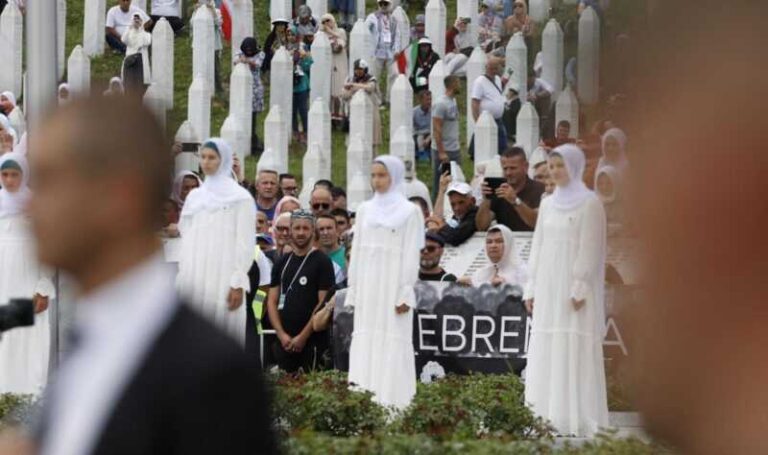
point(489, 94)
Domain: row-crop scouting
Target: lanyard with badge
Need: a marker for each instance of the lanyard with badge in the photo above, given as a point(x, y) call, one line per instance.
point(281, 303)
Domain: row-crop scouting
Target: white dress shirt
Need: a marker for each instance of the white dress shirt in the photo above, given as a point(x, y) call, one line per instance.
point(117, 324)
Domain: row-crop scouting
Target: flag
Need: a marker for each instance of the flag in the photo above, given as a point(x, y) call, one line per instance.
point(226, 17)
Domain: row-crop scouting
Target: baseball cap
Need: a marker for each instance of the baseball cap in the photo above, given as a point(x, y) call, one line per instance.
point(420, 19)
point(435, 238)
point(459, 187)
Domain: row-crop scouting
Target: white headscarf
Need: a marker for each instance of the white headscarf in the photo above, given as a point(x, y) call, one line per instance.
point(12, 204)
point(178, 182)
point(109, 90)
point(613, 175)
point(64, 86)
point(507, 267)
point(11, 97)
point(622, 162)
point(218, 190)
point(7, 126)
point(573, 194)
point(390, 209)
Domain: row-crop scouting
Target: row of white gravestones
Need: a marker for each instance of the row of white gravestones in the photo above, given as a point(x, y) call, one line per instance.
point(588, 56)
point(199, 108)
point(79, 72)
point(93, 27)
point(322, 65)
point(403, 27)
point(401, 105)
point(242, 23)
point(162, 61)
point(435, 25)
point(468, 8)
point(281, 89)
point(552, 55)
point(280, 9)
point(319, 134)
point(517, 65)
point(275, 140)
point(203, 47)
point(61, 37)
point(11, 39)
point(360, 45)
point(475, 68)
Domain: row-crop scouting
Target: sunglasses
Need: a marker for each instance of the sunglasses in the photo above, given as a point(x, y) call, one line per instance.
point(518, 5)
point(282, 229)
point(429, 249)
point(321, 206)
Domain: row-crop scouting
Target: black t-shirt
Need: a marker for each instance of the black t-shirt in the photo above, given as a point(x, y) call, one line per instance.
point(506, 213)
point(300, 298)
point(442, 276)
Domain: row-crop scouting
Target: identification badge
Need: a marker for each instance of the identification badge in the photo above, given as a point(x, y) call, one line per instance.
point(281, 302)
point(386, 36)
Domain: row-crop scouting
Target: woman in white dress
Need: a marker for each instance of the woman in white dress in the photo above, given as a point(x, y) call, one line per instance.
point(23, 351)
point(217, 229)
point(389, 236)
point(136, 73)
point(565, 376)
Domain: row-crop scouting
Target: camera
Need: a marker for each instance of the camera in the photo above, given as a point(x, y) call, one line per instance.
point(17, 313)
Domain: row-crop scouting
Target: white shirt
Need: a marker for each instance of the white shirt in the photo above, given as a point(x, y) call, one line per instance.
point(166, 8)
point(490, 96)
point(120, 21)
point(118, 323)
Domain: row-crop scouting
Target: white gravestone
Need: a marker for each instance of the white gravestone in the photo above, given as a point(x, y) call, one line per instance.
point(517, 65)
point(403, 27)
point(358, 190)
point(281, 87)
point(187, 160)
point(199, 107)
point(203, 47)
point(232, 132)
point(275, 137)
point(241, 100)
point(401, 105)
point(154, 101)
point(78, 72)
point(552, 54)
point(588, 69)
point(162, 60)
point(11, 48)
point(280, 9)
point(94, 21)
point(320, 133)
point(475, 68)
point(356, 158)
point(267, 162)
point(437, 84)
point(435, 25)
point(469, 8)
point(318, 7)
point(528, 128)
point(61, 37)
point(242, 23)
point(539, 9)
point(402, 145)
point(322, 64)
point(486, 138)
point(361, 122)
point(567, 108)
point(311, 163)
point(360, 45)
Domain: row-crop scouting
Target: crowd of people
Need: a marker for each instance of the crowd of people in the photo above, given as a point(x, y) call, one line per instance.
point(253, 257)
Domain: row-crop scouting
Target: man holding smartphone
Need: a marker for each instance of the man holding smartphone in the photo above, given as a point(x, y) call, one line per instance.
point(445, 130)
point(514, 203)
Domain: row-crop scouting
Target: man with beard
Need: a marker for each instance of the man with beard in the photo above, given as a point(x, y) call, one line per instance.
point(429, 266)
point(300, 282)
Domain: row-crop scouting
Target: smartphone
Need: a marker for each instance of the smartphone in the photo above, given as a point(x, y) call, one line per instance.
point(494, 183)
point(445, 167)
point(189, 147)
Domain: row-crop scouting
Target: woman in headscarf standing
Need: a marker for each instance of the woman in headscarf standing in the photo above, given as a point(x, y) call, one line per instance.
point(23, 351)
point(389, 236)
point(362, 79)
point(136, 71)
point(8, 136)
point(217, 228)
point(565, 376)
point(251, 55)
point(340, 62)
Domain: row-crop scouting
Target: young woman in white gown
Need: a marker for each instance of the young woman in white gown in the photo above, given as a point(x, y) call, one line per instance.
point(389, 236)
point(23, 351)
point(565, 377)
point(218, 237)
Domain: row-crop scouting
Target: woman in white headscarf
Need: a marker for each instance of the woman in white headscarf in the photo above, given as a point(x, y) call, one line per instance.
point(23, 351)
point(340, 63)
point(116, 87)
point(183, 184)
point(136, 71)
point(389, 235)
point(218, 238)
point(63, 94)
point(565, 378)
point(7, 102)
point(504, 267)
point(614, 153)
point(608, 189)
point(8, 137)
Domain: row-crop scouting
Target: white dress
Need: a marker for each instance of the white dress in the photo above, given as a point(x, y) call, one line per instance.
point(216, 253)
point(383, 270)
point(23, 351)
point(565, 376)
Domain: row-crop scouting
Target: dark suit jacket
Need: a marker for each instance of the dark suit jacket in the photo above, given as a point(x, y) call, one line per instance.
point(195, 393)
